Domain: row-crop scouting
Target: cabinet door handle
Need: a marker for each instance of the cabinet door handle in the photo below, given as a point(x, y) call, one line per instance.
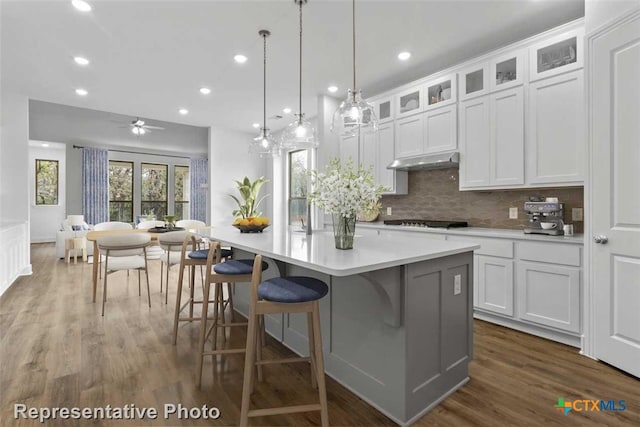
point(602, 239)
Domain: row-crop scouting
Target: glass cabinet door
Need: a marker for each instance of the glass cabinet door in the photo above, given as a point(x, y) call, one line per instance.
point(506, 70)
point(474, 81)
point(556, 55)
point(440, 92)
point(409, 102)
point(384, 110)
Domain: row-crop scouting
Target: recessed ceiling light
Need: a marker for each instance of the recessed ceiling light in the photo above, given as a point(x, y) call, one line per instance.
point(81, 92)
point(240, 59)
point(205, 90)
point(256, 125)
point(81, 61)
point(286, 110)
point(332, 89)
point(403, 56)
point(81, 5)
point(45, 145)
point(183, 111)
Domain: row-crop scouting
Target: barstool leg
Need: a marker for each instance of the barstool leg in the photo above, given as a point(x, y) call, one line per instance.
point(259, 347)
point(214, 331)
point(221, 313)
point(203, 333)
point(192, 269)
point(178, 302)
point(146, 274)
point(322, 389)
point(312, 347)
point(249, 367)
point(104, 289)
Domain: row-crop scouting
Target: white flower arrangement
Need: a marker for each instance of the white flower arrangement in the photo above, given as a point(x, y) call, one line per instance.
point(344, 189)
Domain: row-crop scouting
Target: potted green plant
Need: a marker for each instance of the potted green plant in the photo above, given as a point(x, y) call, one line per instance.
point(248, 218)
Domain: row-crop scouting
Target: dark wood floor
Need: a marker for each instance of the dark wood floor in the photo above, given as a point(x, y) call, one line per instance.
point(57, 351)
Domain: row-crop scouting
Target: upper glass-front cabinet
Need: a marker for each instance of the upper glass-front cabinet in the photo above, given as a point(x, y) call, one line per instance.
point(440, 92)
point(474, 81)
point(409, 102)
point(557, 55)
point(384, 109)
point(507, 70)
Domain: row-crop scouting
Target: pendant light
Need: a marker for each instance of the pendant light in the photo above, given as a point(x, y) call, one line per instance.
point(264, 144)
point(354, 114)
point(299, 133)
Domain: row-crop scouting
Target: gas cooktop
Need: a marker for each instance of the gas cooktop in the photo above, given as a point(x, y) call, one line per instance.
point(425, 223)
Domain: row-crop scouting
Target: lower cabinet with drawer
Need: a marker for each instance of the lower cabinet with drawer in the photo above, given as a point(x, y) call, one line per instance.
point(534, 287)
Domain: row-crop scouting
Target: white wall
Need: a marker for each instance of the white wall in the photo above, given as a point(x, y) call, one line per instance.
point(228, 161)
point(599, 12)
point(45, 220)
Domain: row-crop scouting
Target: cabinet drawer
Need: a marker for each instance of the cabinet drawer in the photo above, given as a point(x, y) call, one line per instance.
point(550, 253)
point(491, 247)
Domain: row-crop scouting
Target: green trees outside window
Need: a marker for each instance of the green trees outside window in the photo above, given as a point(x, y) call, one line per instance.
point(120, 191)
point(154, 189)
point(46, 182)
point(298, 179)
point(181, 192)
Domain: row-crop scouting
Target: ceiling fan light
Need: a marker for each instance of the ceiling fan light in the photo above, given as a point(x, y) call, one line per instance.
point(138, 130)
point(299, 134)
point(354, 115)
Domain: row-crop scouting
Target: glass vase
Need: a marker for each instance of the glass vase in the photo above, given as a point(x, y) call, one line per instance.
point(344, 227)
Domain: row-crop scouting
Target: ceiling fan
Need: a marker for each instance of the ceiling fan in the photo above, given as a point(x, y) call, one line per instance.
point(138, 127)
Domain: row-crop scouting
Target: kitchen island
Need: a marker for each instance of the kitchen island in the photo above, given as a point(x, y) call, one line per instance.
point(397, 323)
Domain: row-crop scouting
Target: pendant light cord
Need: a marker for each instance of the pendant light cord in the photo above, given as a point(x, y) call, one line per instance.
point(300, 70)
point(354, 46)
point(264, 84)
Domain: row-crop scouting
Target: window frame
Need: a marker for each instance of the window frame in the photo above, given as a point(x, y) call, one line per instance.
point(57, 183)
point(131, 202)
point(177, 202)
point(290, 199)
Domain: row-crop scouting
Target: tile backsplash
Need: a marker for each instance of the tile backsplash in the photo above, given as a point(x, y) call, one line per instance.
point(434, 194)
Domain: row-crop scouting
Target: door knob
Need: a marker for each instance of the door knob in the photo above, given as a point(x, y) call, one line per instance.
point(602, 239)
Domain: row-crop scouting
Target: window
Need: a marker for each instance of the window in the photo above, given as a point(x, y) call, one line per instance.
point(181, 192)
point(298, 161)
point(154, 189)
point(46, 182)
point(120, 191)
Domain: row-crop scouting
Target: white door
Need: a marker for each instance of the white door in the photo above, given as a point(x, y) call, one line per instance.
point(475, 143)
point(440, 130)
point(349, 149)
point(614, 65)
point(409, 136)
point(385, 156)
point(507, 137)
point(495, 285)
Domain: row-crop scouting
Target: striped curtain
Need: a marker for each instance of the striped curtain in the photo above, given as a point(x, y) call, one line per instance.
point(95, 185)
point(199, 174)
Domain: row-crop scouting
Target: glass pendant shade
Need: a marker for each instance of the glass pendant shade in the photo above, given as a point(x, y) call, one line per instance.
point(264, 144)
point(354, 115)
point(299, 134)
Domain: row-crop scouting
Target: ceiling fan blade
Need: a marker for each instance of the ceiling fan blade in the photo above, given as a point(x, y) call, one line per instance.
point(153, 127)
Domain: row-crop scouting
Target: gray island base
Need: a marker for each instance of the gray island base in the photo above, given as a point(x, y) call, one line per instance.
point(397, 322)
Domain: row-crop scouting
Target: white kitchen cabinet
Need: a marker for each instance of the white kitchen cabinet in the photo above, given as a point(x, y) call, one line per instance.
point(557, 55)
point(507, 70)
point(556, 140)
point(384, 108)
point(507, 137)
point(369, 151)
point(396, 181)
point(440, 92)
point(440, 130)
point(409, 102)
point(549, 295)
point(350, 149)
point(495, 285)
point(492, 140)
point(409, 136)
point(474, 81)
point(475, 143)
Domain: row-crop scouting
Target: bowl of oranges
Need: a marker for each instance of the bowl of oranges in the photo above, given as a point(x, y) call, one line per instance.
point(251, 224)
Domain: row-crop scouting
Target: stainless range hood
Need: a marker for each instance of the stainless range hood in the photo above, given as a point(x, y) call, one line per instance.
point(428, 161)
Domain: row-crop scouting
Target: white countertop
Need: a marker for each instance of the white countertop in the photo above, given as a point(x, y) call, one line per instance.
point(501, 233)
point(371, 251)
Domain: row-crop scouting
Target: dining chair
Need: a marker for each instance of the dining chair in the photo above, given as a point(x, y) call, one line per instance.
point(124, 252)
point(154, 251)
point(110, 225)
point(171, 243)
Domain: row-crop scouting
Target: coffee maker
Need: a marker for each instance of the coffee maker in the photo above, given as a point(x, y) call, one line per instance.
point(545, 217)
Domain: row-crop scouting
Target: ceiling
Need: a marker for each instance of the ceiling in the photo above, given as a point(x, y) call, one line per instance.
point(149, 58)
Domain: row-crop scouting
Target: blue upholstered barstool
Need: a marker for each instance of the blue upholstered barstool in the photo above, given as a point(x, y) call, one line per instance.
point(295, 294)
point(192, 257)
point(217, 273)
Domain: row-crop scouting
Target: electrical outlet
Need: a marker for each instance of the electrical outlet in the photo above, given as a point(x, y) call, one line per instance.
point(389, 211)
point(576, 214)
point(513, 213)
point(457, 284)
